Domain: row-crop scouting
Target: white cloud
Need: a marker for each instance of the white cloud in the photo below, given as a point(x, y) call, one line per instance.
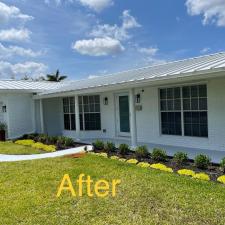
point(15, 35)
point(149, 51)
point(98, 46)
point(7, 52)
point(115, 31)
point(11, 12)
point(19, 70)
point(213, 11)
point(96, 5)
point(205, 50)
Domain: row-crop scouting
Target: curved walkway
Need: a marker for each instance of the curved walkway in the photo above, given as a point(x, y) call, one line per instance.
point(13, 158)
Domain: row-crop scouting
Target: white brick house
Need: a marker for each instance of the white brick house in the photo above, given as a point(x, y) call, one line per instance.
point(179, 104)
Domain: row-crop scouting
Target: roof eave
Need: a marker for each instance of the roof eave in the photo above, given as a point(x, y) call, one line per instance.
point(183, 77)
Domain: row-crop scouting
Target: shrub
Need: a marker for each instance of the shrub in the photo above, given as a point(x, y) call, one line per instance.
point(114, 157)
point(180, 158)
point(221, 179)
point(202, 176)
point(124, 149)
point(98, 144)
point(202, 161)
point(68, 142)
point(161, 167)
point(222, 164)
point(27, 142)
point(53, 139)
point(141, 152)
point(42, 138)
point(48, 148)
point(122, 160)
point(132, 161)
point(159, 154)
point(186, 172)
point(102, 155)
point(143, 164)
point(109, 147)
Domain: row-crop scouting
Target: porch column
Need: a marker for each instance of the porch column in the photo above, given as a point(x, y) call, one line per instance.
point(77, 115)
point(41, 116)
point(133, 126)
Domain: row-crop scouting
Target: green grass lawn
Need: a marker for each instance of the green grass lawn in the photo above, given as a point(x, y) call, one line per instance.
point(15, 149)
point(28, 195)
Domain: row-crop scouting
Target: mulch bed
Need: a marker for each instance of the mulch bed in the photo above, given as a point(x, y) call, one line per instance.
point(213, 170)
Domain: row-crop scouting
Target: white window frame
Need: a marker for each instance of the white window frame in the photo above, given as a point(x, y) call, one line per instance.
point(83, 128)
point(182, 109)
point(69, 113)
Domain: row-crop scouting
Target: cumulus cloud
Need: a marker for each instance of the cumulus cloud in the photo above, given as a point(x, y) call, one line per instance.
point(11, 12)
point(98, 46)
point(19, 70)
point(15, 35)
point(96, 5)
point(213, 11)
point(7, 52)
point(149, 51)
point(115, 31)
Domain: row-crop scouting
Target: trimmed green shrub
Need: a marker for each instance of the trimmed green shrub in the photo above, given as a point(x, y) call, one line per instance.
point(42, 138)
point(159, 154)
point(110, 147)
point(53, 139)
point(124, 149)
point(180, 158)
point(202, 161)
point(222, 164)
point(68, 142)
point(141, 152)
point(98, 144)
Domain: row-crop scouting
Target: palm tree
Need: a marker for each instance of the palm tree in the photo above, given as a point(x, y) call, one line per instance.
point(55, 77)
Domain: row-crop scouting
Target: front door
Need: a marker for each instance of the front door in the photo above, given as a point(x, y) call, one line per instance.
point(123, 115)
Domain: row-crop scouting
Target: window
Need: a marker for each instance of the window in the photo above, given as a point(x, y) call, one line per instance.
point(195, 111)
point(69, 113)
point(184, 109)
point(170, 104)
point(90, 116)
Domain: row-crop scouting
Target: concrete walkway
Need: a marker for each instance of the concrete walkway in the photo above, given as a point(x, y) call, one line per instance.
point(13, 158)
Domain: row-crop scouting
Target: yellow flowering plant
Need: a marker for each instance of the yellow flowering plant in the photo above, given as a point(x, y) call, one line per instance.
point(114, 157)
point(186, 172)
point(27, 142)
point(143, 164)
point(221, 179)
point(122, 160)
point(202, 176)
point(48, 148)
point(161, 167)
point(132, 161)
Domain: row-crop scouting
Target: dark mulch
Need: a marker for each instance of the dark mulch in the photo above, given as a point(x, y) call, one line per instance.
point(213, 170)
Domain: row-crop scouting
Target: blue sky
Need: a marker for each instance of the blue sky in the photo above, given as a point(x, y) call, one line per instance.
point(84, 38)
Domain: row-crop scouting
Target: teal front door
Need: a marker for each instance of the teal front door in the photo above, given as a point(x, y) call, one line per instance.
point(123, 115)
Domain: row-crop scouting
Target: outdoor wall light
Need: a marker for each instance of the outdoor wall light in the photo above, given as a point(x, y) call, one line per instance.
point(4, 108)
point(106, 101)
point(138, 98)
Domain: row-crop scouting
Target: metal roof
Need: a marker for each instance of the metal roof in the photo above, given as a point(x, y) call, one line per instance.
point(28, 86)
point(162, 71)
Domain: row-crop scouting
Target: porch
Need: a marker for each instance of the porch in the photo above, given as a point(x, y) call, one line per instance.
point(215, 156)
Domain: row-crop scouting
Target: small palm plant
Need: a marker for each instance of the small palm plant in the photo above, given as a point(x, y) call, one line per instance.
point(55, 77)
